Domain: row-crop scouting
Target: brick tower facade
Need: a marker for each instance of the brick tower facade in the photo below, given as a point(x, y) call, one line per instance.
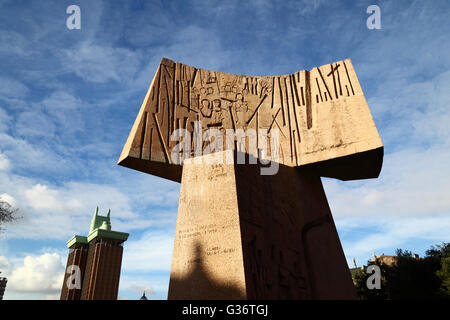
point(94, 262)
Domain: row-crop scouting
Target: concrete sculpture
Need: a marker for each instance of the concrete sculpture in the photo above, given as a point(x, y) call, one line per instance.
point(240, 233)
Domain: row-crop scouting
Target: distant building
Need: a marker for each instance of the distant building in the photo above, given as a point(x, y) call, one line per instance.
point(143, 297)
point(3, 282)
point(383, 260)
point(378, 260)
point(94, 262)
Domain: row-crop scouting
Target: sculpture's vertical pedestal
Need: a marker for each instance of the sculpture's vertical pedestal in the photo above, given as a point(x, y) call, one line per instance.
point(241, 235)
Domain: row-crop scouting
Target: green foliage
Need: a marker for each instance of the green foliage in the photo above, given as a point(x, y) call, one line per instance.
point(444, 275)
point(360, 278)
point(442, 252)
point(410, 277)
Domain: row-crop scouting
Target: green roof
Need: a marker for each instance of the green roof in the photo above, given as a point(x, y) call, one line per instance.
point(77, 239)
point(107, 234)
point(100, 227)
point(100, 221)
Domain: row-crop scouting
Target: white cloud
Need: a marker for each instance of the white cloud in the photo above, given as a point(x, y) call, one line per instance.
point(100, 64)
point(305, 7)
point(65, 110)
point(152, 252)
point(192, 45)
point(5, 120)
point(55, 296)
point(59, 212)
point(4, 266)
point(412, 183)
point(43, 274)
point(392, 233)
point(12, 88)
point(4, 163)
point(14, 43)
point(40, 197)
point(35, 123)
point(33, 157)
point(9, 199)
point(400, 65)
point(409, 203)
point(61, 100)
point(414, 113)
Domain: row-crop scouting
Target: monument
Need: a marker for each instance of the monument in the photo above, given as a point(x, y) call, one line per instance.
point(251, 230)
point(94, 262)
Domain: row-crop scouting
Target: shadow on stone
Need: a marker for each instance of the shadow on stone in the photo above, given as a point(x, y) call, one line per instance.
point(199, 283)
point(291, 248)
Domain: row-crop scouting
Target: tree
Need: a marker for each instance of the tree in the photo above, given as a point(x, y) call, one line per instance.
point(360, 278)
point(413, 278)
point(410, 277)
point(7, 213)
point(442, 253)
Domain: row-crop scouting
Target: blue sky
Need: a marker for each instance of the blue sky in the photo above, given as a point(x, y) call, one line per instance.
point(68, 99)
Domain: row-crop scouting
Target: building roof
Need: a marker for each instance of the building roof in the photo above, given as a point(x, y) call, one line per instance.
point(383, 259)
point(76, 239)
point(143, 297)
point(100, 227)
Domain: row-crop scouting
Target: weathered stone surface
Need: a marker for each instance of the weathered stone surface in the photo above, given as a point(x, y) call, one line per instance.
point(207, 258)
point(322, 115)
point(243, 235)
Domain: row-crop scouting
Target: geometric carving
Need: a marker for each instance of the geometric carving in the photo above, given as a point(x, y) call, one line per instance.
point(322, 117)
point(242, 234)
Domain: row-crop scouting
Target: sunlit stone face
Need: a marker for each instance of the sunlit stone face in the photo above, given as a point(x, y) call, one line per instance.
point(321, 118)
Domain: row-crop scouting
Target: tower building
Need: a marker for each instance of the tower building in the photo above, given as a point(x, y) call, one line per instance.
point(94, 262)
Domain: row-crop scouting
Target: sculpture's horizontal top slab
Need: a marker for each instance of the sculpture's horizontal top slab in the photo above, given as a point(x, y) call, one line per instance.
point(321, 115)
